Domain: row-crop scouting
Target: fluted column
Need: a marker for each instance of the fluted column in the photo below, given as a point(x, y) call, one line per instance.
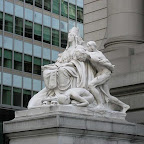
point(125, 22)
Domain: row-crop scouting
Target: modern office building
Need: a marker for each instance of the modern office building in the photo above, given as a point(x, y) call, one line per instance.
point(32, 34)
point(118, 28)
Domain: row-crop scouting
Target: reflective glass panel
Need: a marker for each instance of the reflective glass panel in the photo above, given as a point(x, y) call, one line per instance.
point(38, 17)
point(46, 20)
point(55, 37)
point(28, 29)
point(38, 3)
point(80, 3)
point(80, 26)
point(64, 8)
point(8, 23)
point(8, 43)
point(26, 97)
point(37, 51)
point(36, 85)
point(64, 39)
point(47, 5)
point(27, 83)
point(27, 63)
point(17, 81)
point(17, 96)
point(80, 14)
point(29, 1)
point(8, 7)
point(0, 57)
point(19, 26)
point(1, 5)
point(6, 99)
point(72, 11)
point(63, 26)
point(27, 48)
point(18, 61)
point(54, 55)
point(56, 6)
point(18, 45)
point(18, 11)
point(46, 53)
point(46, 34)
point(37, 32)
point(55, 23)
point(7, 58)
point(1, 20)
point(28, 14)
point(7, 79)
point(37, 66)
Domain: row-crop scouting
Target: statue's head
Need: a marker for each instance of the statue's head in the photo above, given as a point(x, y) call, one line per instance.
point(91, 46)
point(74, 35)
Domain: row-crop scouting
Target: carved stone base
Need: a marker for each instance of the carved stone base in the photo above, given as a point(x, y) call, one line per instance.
point(71, 125)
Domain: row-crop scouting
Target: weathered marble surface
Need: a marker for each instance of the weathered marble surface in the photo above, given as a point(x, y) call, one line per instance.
point(70, 125)
point(79, 77)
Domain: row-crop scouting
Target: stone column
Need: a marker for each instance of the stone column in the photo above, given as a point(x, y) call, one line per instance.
point(125, 22)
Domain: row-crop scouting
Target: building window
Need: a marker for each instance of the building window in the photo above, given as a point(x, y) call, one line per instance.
point(64, 8)
point(56, 6)
point(0, 56)
point(80, 14)
point(26, 97)
point(1, 20)
point(18, 26)
point(7, 58)
point(38, 3)
point(29, 1)
point(72, 11)
point(46, 62)
point(28, 29)
point(47, 5)
point(18, 61)
point(37, 66)
point(35, 92)
point(6, 96)
point(63, 39)
point(55, 37)
point(17, 96)
point(27, 63)
point(37, 32)
point(46, 34)
point(8, 23)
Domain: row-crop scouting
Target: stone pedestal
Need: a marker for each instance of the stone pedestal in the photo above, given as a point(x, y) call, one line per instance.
point(70, 125)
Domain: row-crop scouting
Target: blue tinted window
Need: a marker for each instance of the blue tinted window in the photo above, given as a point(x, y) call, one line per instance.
point(47, 20)
point(38, 17)
point(28, 14)
point(8, 43)
point(55, 23)
point(18, 11)
point(18, 46)
point(8, 7)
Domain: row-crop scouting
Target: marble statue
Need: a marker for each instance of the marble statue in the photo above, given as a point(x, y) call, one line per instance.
point(78, 78)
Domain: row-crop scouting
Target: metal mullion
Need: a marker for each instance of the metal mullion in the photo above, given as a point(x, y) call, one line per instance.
point(68, 17)
point(59, 26)
point(23, 52)
point(13, 51)
point(51, 33)
point(2, 52)
point(42, 40)
point(32, 51)
point(76, 11)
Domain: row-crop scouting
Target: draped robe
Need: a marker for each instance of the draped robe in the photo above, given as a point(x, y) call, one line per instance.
point(58, 80)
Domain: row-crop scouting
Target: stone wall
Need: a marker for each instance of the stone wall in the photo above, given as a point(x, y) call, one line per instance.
point(124, 49)
point(95, 21)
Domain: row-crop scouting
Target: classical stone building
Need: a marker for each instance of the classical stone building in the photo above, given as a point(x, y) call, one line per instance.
point(118, 28)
